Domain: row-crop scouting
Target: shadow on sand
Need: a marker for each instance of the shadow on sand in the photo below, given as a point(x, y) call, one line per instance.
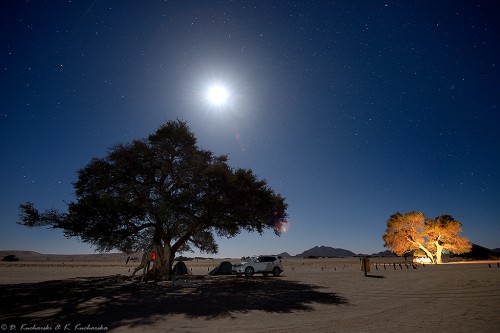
point(111, 301)
point(375, 276)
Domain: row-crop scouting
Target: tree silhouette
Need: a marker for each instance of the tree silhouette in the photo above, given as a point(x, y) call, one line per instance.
point(164, 192)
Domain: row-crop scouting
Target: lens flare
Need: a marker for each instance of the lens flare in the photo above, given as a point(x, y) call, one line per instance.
point(282, 226)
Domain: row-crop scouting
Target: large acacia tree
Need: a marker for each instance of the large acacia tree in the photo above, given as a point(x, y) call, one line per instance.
point(165, 192)
point(413, 231)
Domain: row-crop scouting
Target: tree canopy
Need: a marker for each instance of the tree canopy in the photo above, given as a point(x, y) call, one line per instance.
point(413, 231)
point(165, 191)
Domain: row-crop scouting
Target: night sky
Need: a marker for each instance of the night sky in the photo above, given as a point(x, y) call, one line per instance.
point(352, 110)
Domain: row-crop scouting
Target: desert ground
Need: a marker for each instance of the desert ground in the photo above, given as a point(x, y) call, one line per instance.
point(89, 293)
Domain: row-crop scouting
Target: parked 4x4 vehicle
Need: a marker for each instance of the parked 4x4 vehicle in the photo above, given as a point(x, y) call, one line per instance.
point(260, 264)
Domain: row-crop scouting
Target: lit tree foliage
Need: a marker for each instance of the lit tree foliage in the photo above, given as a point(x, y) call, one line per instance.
point(166, 193)
point(443, 234)
point(413, 231)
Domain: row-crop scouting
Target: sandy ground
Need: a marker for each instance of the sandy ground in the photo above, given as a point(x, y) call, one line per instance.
point(312, 295)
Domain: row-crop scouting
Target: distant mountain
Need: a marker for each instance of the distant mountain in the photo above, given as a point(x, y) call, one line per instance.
point(496, 250)
point(36, 256)
point(326, 251)
point(285, 255)
point(385, 253)
point(19, 253)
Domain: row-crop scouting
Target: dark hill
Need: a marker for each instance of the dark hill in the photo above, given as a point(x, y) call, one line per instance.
point(385, 253)
point(479, 252)
point(326, 251)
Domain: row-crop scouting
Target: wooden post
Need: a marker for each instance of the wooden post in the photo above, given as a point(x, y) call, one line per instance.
point(365, 265)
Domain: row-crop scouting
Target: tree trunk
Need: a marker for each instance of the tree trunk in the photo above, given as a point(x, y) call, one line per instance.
point(168, 256)
point(164, 259)
point(142, 264)
point(427, 252)
point(439, 251)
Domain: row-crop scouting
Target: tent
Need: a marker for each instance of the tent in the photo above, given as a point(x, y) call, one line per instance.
point(180, 268)
point(224, 268)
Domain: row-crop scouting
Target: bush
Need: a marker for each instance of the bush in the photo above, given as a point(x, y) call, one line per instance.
point(10, 258)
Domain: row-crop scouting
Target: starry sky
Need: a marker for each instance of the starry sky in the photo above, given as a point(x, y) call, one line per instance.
point(352, 110)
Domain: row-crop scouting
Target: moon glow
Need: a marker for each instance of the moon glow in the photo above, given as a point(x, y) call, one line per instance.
point(217, 95)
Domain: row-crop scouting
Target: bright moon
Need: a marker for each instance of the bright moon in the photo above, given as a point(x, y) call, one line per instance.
point(217, 95)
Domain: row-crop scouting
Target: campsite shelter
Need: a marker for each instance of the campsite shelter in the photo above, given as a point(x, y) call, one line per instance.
point(180, 268)
point(224, 268)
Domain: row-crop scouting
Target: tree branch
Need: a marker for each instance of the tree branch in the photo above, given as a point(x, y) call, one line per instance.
point(182, 240)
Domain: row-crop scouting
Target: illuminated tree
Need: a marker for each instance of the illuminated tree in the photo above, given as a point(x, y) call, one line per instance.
point(413, 231)
point(405, 233)
point(166, 193)
point(442, 234)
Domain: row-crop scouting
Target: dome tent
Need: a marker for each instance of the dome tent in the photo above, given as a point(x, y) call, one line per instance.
point(224, 268)
point(180, 268)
